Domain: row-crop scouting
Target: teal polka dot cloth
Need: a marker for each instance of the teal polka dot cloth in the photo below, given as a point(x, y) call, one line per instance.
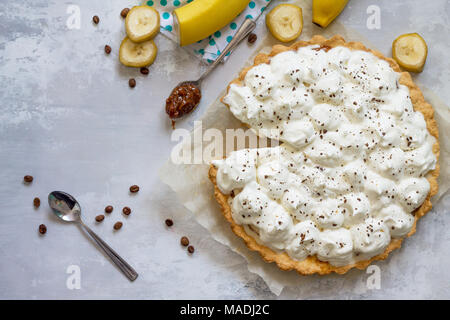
point(211, 47)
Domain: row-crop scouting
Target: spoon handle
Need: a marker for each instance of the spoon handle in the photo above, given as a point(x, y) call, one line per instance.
point(121, 264)
point(247, 26)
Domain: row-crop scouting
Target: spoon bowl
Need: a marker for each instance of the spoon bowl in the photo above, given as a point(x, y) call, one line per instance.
point(64, 206)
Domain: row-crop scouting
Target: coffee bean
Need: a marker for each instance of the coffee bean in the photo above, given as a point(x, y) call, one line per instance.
point(107, 49)
point(36, 202)
point(28, 179)
point(126, 211)
point(132, 83)
point(145, 70)
point(169, 222)
point(96, 19)
point(118, 225)
point(134, 188)
point(191, 249)
point(42, 229)
point(109, 209)
point(100, 218)
point(124, 12)
point(252, 38)
point(184, 241)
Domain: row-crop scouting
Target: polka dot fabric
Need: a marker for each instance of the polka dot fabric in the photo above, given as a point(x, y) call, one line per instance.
point(211, 47)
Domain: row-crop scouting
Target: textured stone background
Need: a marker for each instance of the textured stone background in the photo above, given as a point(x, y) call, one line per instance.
point(68, 118)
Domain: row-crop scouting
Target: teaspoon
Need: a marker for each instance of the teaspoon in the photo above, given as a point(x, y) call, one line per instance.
point(181, 102)
point(65, 207)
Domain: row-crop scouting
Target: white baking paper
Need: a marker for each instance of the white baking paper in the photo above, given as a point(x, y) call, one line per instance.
point(191, 184)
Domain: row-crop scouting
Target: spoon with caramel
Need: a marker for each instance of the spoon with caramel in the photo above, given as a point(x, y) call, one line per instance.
point(187, 94)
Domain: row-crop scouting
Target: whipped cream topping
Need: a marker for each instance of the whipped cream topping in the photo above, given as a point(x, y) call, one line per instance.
point(352, 166)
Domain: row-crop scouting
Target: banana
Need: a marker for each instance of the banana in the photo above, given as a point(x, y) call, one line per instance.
point(410, 51)
point(285, 22)
point(138, 55)
point(325, 11)
point(142, 23)
point(201, 18)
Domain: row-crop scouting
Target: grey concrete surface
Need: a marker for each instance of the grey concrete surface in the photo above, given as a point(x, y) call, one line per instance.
point(68, 117)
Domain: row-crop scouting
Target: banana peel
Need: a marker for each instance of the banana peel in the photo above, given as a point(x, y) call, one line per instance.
point(201, 18)
point(325, 11)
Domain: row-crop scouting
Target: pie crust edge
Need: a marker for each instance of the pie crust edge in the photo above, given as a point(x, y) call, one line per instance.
point(312, 264)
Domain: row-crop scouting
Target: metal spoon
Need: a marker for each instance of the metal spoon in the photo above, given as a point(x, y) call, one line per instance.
point(247, 26)
point(68, 209)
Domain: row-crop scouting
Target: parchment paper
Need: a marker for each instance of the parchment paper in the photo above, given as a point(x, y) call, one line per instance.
point(191, 184)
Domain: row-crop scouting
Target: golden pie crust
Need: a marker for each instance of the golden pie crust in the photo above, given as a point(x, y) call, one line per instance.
point(312, 264)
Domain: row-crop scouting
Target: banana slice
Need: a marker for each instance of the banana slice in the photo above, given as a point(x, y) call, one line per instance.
point(285, 22)
point(142, 23)
point(138, 55)
point(410, 51)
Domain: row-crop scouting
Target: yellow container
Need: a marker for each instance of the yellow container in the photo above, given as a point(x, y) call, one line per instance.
point(201, 18)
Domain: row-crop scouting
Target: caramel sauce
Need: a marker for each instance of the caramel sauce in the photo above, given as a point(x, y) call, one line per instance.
point(182, 100)
point(323, 47)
